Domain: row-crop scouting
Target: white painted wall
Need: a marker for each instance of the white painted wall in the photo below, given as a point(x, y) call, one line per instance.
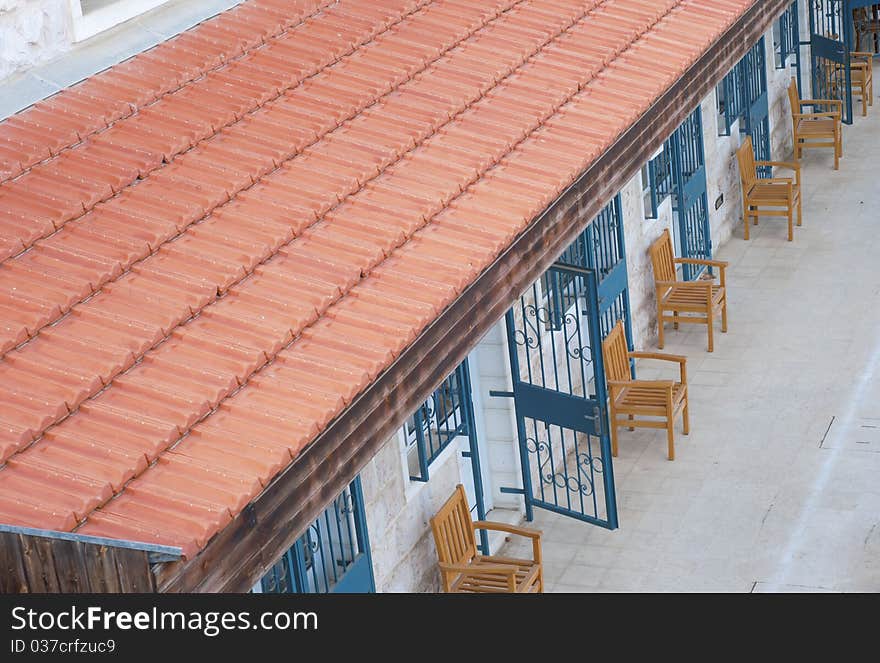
point(32, 32)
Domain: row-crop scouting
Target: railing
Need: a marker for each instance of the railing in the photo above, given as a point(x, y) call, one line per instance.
point(730, 94)
point(332, 555)
point(600, 247)
point(438, 421)
point(786, 34)
point(659, 181)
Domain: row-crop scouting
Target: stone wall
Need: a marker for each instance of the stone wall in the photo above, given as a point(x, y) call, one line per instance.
point(398, 518)
point(722, 175)
point(32, 32)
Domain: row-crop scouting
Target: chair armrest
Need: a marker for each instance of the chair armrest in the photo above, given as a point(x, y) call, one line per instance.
point(861, 54)
point(821, 102)
point(533, 534)
point(831, 114)
point(780, 164)
point(660, 356)
point(511, 529)
point(663, 356)
point(647, 384)
point(720, 264)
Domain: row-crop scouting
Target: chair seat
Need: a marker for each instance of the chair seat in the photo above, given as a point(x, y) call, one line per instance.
point(637, 399)
point(771, 193)
point(691, 295)
point(815, 127)
point(526, 576)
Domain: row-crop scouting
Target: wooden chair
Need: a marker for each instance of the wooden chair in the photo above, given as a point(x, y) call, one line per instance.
point(462, 569)
point(862, 78)
point(865, 22)
point(815, 129)
point(661, 401)
point(694, 302)
point(776, 196)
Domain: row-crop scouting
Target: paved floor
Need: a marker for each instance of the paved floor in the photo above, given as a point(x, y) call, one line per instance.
point(778, 486)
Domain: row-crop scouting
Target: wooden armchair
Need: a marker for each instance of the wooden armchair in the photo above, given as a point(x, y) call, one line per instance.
point(463, 570)
point(656, 403)
point(776, 196)
point(815, 129)
point(862, 78)
point(695, 302)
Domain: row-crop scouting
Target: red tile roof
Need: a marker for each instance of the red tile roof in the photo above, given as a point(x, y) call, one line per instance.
point(208, 250)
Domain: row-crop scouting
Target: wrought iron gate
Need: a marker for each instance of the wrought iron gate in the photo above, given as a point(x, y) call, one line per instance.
point(555, 333)
point(690, 202)
point(830, 45)
point(757, 109)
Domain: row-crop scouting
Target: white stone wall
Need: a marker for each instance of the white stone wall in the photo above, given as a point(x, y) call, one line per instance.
point(398, 518)
point(722, 175)
point(32, 32)
point(502, 456)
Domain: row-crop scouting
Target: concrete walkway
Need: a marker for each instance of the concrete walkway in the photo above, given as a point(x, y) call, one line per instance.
point(778, 486)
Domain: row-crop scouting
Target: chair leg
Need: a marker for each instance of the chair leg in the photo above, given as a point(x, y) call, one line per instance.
point(710, 323)
point(675, 319)
point(670, 437)
point(686, 419)
point(724, 314)
point(790, 223)
point(800, 209)
point(613, 422)
point(631, 428)
point(660, 340)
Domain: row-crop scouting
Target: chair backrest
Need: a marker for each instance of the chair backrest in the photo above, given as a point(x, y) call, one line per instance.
point(615, 355)
point(794, 99)
point(454, 530)
point(745, 155)
point(662, 257)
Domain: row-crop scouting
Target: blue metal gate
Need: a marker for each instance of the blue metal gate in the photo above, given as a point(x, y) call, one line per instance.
point(757, 109)
point(690, 202)
point(555, 333)
point(333, 556)
point(830, 45)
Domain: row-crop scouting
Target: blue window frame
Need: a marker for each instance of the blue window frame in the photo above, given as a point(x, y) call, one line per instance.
point(447, 414)
point(657, 181)
point(333, 556)
point(730, 97)
point(437, 422)
point(786, 36)
point(602, 248)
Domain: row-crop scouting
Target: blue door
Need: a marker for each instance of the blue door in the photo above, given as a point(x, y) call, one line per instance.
point(555, 333)
point(333, 556)
point(756, 109)
point(830, 45)
point(690, 203)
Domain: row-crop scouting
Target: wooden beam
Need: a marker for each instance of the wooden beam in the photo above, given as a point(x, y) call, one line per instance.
point(239, 555)
point(32, 563)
